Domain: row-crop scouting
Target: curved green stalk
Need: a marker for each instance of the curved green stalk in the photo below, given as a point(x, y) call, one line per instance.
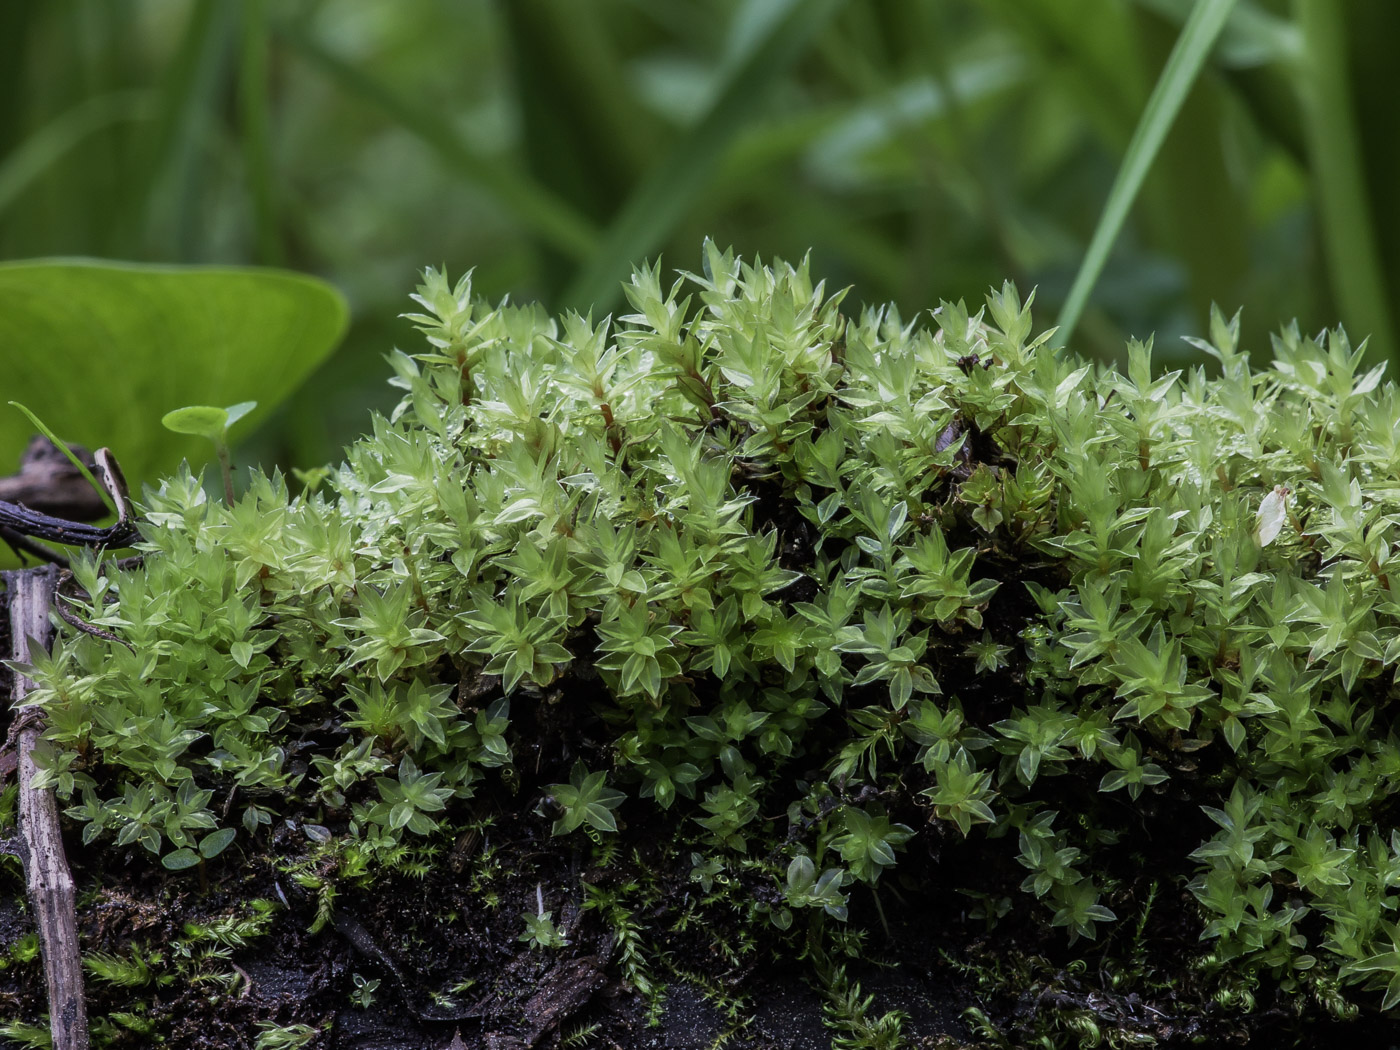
point(1197, 38)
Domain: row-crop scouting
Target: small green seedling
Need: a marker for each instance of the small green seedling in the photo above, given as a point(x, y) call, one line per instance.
point(540, 931)
point(363, 995)
point(212, 423)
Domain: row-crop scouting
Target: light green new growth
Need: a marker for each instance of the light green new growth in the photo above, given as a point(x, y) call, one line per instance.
point(774, 551)
point(213, 423)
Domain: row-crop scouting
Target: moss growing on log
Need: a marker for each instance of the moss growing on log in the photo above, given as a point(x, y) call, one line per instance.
point(817, 615)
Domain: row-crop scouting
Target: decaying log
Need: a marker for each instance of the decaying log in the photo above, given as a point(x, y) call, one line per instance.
point(48, 483)
point(30, 595)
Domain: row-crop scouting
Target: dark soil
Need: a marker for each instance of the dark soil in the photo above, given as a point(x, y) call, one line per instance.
point(450, 968)
point(452, 971)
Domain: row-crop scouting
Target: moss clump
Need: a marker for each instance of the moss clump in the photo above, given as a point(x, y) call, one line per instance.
point(820, 599)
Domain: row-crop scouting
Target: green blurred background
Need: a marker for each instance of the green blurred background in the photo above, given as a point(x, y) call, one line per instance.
point(923, 149)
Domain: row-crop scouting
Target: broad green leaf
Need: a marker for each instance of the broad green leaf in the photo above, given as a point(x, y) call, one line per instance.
point(101, 351)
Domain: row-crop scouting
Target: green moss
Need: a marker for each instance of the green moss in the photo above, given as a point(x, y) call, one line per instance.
point(739, 552)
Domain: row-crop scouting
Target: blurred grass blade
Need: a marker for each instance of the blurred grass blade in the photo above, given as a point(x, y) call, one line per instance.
point(256, 135)
point(779, 33)
point(36, 154)
point(1198, 35)
point(1347, 223)
point(533, 206)
point(584, 131)
point(187, 116)
point(1253, 35)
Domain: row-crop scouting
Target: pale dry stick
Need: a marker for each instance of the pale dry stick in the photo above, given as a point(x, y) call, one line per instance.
point(30, 594)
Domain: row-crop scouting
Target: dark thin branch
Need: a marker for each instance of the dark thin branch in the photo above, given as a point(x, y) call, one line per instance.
point(19, 518)
point(23, 545)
